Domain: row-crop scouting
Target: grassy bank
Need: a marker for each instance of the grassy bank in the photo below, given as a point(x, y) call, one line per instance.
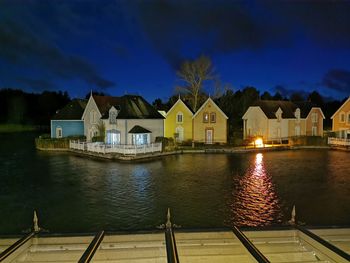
point(16, 128)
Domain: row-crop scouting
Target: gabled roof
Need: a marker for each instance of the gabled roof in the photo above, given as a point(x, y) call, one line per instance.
point(180, 101)
point(270, 107)
point(128, 106)
point(205, 103)
point(139, 129)
point(347, 101)
point(72, 111)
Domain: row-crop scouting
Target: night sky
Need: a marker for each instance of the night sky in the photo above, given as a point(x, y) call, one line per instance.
point(135, 47)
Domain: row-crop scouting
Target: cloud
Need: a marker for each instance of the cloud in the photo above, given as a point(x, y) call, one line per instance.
point(337, 80)
point(22, 47)
point(37, 84)
point(176, 28)
point(325, 22)
point(179, 29)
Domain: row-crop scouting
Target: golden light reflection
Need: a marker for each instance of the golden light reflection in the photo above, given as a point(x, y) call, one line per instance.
point(254, 200)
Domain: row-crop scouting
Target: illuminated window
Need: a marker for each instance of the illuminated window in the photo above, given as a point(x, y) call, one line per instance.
point(205, 117)
point(314, 117)
point(140, 138)
point(213, 117)
point(179, 117)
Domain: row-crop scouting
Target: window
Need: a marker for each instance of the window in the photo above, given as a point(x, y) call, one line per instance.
point(342, 117)
point(213, 117)
point(93, 116)
point(140, 138)
point(314, 117)
point(297, 115)
point(348, 118)
point(179, 117)
point(205, 117)
point(112, 117)
point(58, 132)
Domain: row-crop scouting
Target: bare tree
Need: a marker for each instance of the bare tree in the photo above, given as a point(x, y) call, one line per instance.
point(193, 73)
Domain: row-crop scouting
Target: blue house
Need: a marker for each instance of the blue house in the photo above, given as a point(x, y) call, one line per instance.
point(68, 121)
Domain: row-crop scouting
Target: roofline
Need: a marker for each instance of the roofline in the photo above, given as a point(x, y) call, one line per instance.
point(315, 108)
point(204, 106)
point(341, 107)
point(254, 107)
point(178, 101)
point(91, 97)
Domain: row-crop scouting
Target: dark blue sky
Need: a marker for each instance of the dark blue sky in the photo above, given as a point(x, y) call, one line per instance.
point(133, 47)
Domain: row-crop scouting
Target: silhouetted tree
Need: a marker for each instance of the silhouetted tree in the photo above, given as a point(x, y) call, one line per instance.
point(296, 96)
point(316, 98)
point(277, 96)
point(266, 96)
point(193, 73)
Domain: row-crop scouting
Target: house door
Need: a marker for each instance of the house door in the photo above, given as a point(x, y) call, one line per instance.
point(209, 134)
point(180, 133)
point(297, 130)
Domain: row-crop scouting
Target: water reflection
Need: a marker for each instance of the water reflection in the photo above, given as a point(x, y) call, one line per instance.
point(254, 200)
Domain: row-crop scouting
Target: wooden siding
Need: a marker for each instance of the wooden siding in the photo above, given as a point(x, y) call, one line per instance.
point(219, 127)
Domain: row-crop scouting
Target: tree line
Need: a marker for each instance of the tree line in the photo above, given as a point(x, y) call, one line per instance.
point(19, 107)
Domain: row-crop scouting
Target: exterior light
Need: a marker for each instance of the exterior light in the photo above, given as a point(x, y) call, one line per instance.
point(259, 143)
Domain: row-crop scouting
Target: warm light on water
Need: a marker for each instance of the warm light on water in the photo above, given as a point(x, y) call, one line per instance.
point(75, 194)
point(254, 201)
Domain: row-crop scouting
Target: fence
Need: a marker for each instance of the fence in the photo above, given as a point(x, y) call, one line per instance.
point(338, 141)
point(125, 149)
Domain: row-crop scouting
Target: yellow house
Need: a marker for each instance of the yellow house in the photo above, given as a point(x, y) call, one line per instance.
point(341, 120)
point(178, 122)
point(210, 124)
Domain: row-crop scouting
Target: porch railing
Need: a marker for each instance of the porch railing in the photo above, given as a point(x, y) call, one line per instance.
point(125, 149)
point(338, 141)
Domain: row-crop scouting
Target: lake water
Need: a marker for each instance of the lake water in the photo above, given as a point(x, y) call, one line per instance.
point(76, 194)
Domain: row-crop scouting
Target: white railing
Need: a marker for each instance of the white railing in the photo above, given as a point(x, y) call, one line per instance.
point(125, 149)
point(338, 141)
point(77, 145)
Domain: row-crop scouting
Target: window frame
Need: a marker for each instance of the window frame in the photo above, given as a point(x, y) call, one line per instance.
point(59, 132)
point(212, 114)
point(178, 115)
point(342, 117)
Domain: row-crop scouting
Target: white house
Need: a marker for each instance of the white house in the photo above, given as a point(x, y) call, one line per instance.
point(279, 120)
point(129, 119)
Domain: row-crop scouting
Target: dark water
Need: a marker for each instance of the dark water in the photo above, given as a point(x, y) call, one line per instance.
point(75, 194)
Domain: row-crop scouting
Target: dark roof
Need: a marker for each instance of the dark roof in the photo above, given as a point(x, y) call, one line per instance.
point(269, 107)
point(129, 107)
point(139, 129)
point(72, 111)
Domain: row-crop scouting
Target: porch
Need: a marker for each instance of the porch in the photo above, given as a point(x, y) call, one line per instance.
point(124, 149)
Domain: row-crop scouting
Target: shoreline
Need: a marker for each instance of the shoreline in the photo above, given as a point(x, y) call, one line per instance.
point(157, 155)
